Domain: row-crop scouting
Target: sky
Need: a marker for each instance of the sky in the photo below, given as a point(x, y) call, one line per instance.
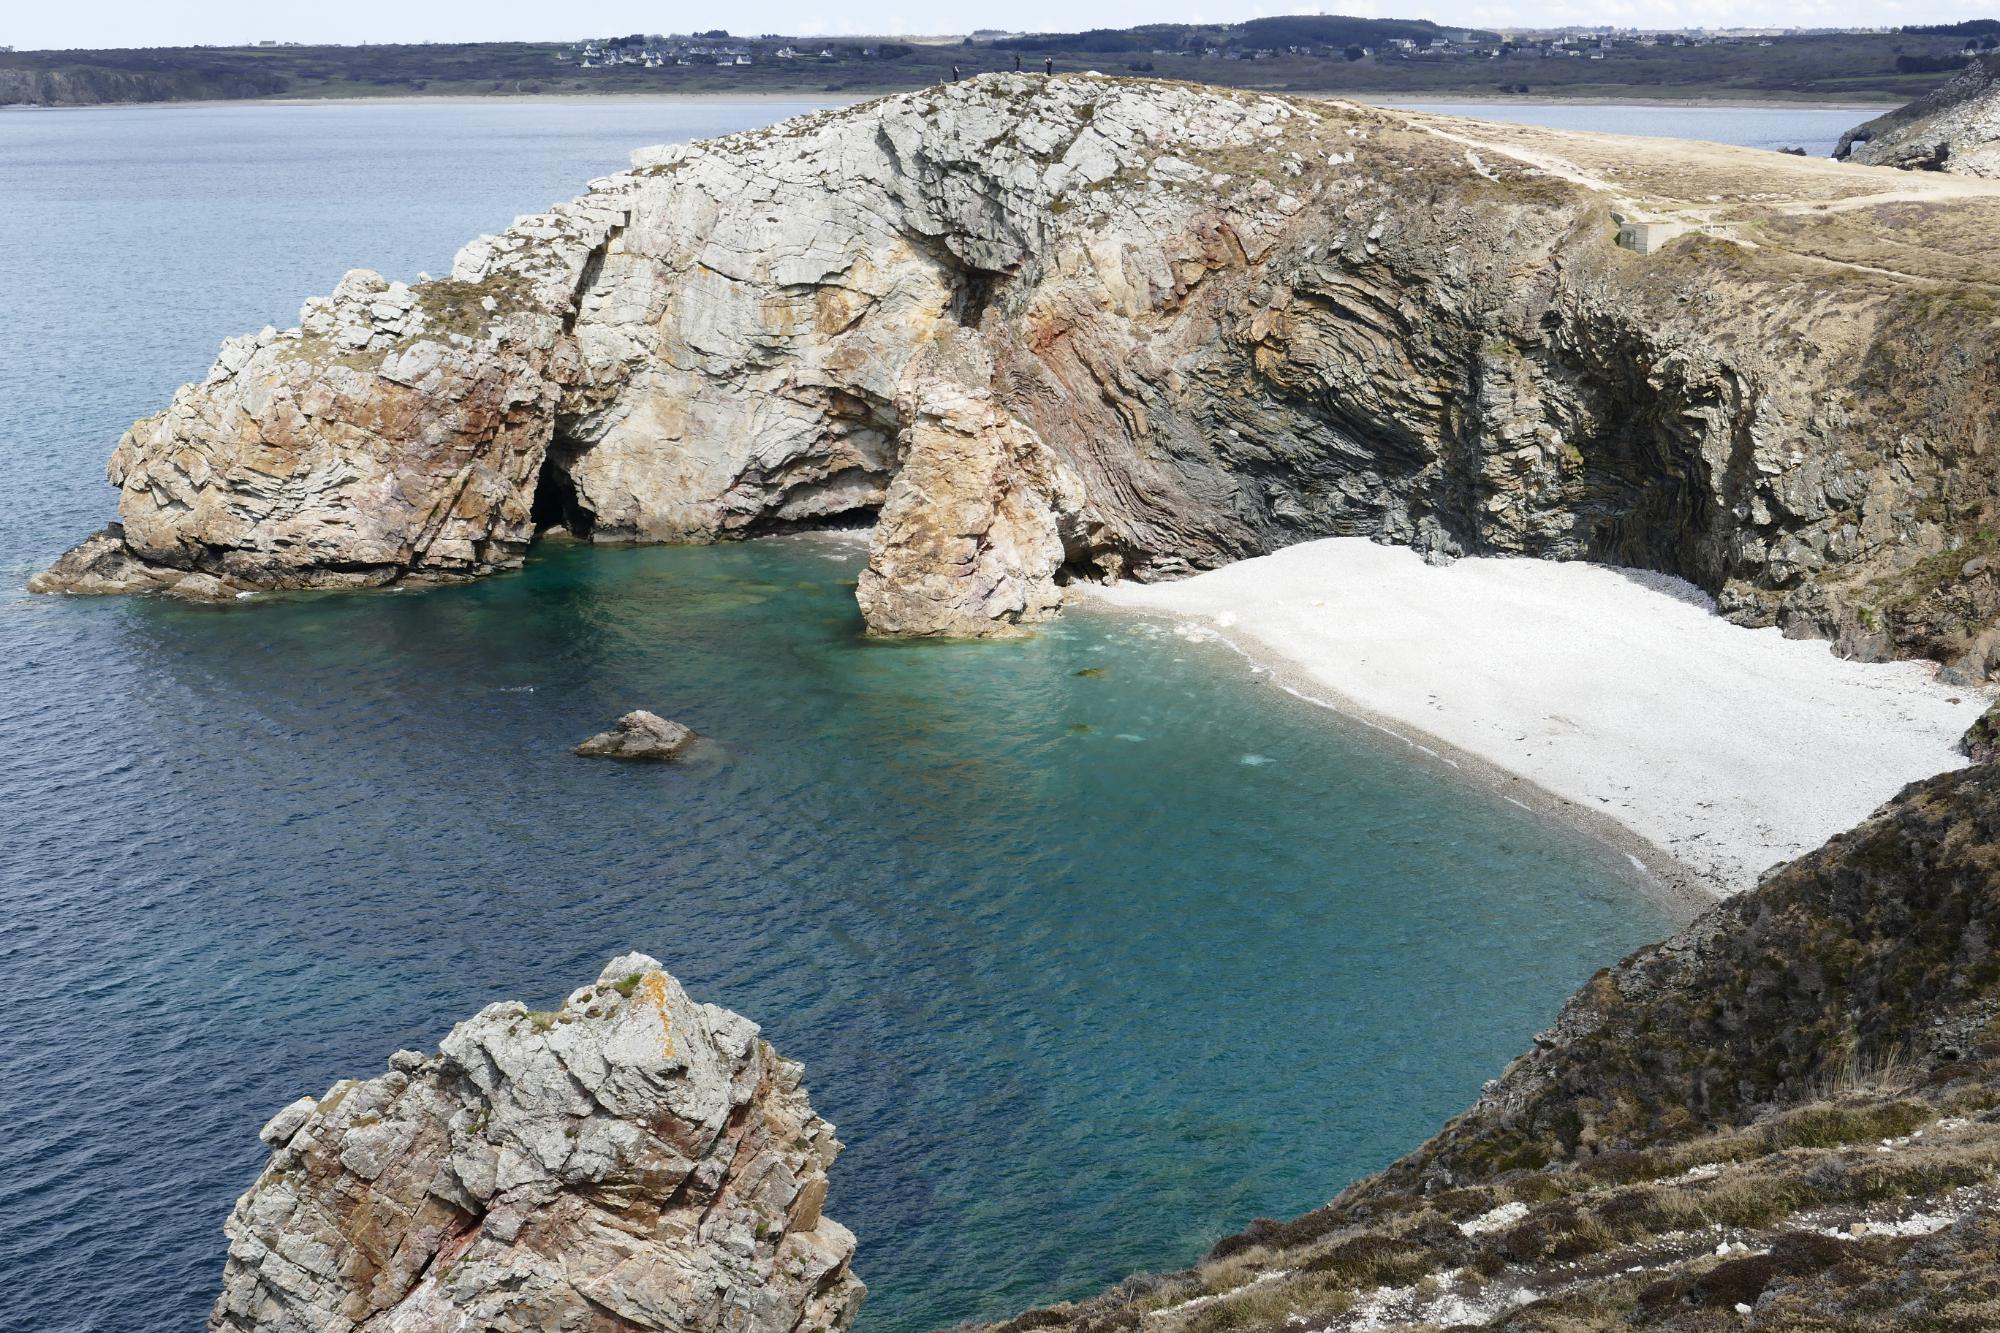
point(95, 23)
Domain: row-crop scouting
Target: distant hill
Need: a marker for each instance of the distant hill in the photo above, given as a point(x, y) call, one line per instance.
point(1274, 34)
point(56, 81)
point(1969, 28)
point(1409, 58)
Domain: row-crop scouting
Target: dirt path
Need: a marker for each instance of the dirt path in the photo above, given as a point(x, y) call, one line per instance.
point(1817, 187)
point(1547, 162)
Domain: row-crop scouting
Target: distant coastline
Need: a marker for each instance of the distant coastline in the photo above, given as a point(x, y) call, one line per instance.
point(847, 96)
point(1376, 60)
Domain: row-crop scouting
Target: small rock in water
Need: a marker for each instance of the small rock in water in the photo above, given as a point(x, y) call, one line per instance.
point(639, 735)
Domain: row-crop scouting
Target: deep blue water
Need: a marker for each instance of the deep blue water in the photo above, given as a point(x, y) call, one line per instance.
point(1089, 969)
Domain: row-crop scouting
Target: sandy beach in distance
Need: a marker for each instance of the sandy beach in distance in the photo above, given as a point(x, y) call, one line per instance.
point(1618, 691)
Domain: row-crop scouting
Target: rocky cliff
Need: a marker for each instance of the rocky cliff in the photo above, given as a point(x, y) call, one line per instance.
point(1084, 327)
point(1956, 128)
point(632, 1160)
point(1785, 1117)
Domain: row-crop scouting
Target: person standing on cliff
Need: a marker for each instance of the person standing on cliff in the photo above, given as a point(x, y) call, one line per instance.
point(954, 72)
point(1048, 66)
point(1017, 62)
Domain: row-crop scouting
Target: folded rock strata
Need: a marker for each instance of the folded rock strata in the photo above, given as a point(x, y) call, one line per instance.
point(1084, 327)
point(1955, 129)
point(632, 1160)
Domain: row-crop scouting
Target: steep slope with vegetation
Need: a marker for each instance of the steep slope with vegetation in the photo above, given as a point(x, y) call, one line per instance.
point(1786, 1117)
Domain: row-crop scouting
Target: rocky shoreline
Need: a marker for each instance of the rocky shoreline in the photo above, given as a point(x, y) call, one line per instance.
point(1085, 329)
point(1955, 129)
point(1093, 328)
point(1785, 1117)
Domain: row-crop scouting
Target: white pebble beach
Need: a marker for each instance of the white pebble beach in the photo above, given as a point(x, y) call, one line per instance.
point(1619, 691)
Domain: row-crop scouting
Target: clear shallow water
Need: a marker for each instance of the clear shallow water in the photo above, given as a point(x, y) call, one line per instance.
point(1083, 983)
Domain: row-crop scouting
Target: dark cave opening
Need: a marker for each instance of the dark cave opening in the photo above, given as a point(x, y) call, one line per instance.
point(556, 503)
point(859, 518)
point(972, 295)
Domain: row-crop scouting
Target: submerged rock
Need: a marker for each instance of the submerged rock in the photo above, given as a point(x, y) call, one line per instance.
point(1955, 129)
point(639, 735)
point(632, 1160)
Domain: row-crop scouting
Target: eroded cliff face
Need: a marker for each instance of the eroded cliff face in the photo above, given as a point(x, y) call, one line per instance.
point(632, 1160)
point(1955, 129)
point(1786, 1117)
point(1101, 328)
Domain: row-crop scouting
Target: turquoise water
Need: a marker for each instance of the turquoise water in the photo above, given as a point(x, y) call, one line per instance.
point(1095, 946)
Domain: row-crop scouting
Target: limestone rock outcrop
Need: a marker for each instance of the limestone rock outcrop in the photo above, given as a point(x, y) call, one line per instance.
point(395, 432)
point(1095, 328)
point(639, 735)
point(971, 533)
point(1955, 129)
point(632, 1160)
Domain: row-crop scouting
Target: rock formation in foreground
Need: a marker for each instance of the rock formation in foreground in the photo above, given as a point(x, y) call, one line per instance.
point(1084, 327)
point(1786, 1117)
point(639, 735)
point(632, 1160)
point(1955, 129)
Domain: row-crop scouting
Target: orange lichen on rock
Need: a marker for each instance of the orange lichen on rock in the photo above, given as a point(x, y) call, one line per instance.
point(653, 991)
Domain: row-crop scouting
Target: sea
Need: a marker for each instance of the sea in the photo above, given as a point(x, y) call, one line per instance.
point(1096, 946)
